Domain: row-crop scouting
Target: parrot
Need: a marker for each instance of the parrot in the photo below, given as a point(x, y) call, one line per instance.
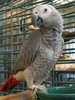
point(40, 51)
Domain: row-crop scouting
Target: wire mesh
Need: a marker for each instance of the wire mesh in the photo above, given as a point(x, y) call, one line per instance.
point(15, 17)
point(65, 74)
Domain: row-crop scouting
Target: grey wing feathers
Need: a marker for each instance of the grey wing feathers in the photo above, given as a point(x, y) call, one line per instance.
point(28, 53)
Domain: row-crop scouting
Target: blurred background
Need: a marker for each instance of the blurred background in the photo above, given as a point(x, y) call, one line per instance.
point(15, 26)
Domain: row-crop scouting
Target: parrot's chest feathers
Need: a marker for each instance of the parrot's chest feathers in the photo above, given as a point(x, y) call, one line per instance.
point(48, 55)
point(51, 38)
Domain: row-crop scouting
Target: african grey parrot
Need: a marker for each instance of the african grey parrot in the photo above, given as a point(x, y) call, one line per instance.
point(40, 51)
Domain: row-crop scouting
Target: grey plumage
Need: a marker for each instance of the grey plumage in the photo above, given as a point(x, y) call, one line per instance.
point(41, 50)
point(28, 52)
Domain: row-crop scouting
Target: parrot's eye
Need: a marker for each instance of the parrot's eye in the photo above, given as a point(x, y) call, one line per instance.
point(45, 10)
point(35, 12)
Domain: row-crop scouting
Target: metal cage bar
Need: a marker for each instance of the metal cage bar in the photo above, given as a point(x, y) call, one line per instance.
point(15, 17)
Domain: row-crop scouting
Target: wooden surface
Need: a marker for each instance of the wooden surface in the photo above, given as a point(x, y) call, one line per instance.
point(25, 95)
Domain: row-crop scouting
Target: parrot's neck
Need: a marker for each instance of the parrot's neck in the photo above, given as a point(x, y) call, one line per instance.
point(52, 28)
point(51, 33)
point(50, 37)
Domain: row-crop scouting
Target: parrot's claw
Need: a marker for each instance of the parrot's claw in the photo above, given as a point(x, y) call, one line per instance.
point(36, 88)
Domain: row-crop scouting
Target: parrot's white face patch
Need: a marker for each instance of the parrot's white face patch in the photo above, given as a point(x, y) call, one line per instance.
point(45, 16)
point(42, 10)
point(41, 14)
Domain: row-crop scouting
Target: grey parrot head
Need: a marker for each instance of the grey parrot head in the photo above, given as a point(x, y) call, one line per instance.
point(46, 16)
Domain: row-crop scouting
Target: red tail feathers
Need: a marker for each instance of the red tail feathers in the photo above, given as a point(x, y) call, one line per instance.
point(9, 84)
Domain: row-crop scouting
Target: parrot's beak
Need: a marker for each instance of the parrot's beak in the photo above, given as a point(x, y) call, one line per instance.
point(37, 22)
